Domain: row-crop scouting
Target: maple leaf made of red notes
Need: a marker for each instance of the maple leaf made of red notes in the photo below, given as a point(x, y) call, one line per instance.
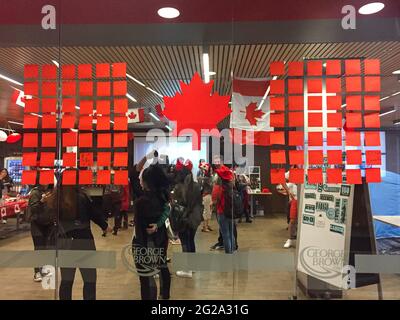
point(252, 114)
point(195, 108)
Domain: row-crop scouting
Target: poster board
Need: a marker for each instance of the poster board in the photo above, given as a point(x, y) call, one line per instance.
point(255, 178)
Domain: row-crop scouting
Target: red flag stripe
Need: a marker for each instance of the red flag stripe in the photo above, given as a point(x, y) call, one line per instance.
point(252, 88)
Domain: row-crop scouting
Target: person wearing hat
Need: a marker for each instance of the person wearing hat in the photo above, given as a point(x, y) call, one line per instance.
point(204, 179)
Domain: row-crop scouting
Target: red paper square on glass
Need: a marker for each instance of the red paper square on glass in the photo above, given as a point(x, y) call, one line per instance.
point(31, 105)
point(103, 89)
point(31, 88)
point(296, 68)
point(85, 177)
point(296, 103)
point(121, 177)
point(315, 119)
point(119, 70)
point(372, 66)
point(372, 84)
point(86, 107)
point(30, 140)
point(314, 68)
point(67, 121)
point(277, 87)
point(31, 71)
point(372, 139)
point(276, 103)
point(120, 88)
point(372, 103)
point(29, 159)
point(277, 120)
point(333, 85)
point(278, 176)
point(120, 159)
point(277, 68)
point(49, 71)
point(103, 123)
point(104, 140)
point(277, 137)
point(49, 140)
point(295, 86)
point(314, 176)
point(296, 157)
point(353, 84)
point(296, 119)
point(86, 88)
point(68, 71)
point(296, 176)
point(121, 106)
point(85, 140)
point(102, 70)
point(353, 67)
point(353, 157)
point(335, 120)
point(373, 175)
point(68, 88)
point(104, 159)
point(296, 138)
point(333, 67)
point(334, 102)
point(49, 121)
point(121, 123)
point(121, 140)
point(314, 85)
point(334, 138)
point(373, 157)
point(315, 157)
point(47, 159)
point(29, 177)
point(103, 177)
point(68, 105)
point(69, 159)
point(372, 120)
point(84, 71)
point(46, 177)
point(278, 156)
point(315, 139)
point(69, 139)
point(69, 177)
point(335, 157)
point(353, 139)
point(49, 89)
point(334, 176)
point(353, 102)
point(353, 120)
point(86, 159)
point(30, 122)
point(314, 103)
point(103, 107)
point(85, 122)
point(49, 105)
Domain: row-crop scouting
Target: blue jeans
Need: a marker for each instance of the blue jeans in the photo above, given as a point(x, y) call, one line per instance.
point(226, 228)
point(187, 240)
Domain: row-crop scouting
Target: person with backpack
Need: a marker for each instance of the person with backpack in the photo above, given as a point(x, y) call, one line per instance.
point(204, 179)
point(242, 185)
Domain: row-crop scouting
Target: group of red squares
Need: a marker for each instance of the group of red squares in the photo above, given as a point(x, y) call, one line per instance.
point(361, 97)
point(110, 89)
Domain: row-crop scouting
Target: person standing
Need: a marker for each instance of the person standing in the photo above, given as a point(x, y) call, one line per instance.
point(6, 184)
point(242, 187)
point(291, 190)
point(204, 179)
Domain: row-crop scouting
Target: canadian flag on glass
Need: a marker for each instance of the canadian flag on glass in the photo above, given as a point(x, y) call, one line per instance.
point(135, 115)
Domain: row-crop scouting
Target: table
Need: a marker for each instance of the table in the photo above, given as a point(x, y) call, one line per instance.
point(251, 194)
point(392, 220)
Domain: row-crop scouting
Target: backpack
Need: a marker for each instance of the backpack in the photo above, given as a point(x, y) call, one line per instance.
point(178, 217)
point(233, 201)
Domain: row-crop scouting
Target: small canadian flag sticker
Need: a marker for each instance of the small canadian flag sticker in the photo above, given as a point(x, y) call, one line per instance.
point(135, 115)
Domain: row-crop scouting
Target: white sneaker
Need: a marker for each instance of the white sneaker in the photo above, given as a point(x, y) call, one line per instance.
point(289, 243)
point(3, 221)
point(37, 277)
point(184, 274)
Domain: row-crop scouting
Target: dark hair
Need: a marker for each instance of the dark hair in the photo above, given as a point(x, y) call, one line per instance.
point(157, 182)
point(4, 169)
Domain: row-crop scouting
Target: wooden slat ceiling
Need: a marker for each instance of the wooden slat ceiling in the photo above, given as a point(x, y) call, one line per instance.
point(162, 67)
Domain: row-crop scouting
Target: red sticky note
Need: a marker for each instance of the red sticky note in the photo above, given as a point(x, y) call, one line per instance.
point(278, 156)
point(314, 103)
point(119, 70)
point(315, 119)
point(372, 84)
point(296, 176)
point(373, 175)
point(49, 140)
point(315, 139)
point(353, 102)
point(103, 123)
point(86, 107)
point(372, 103)
point(104, 159)
point(277, 87)
point(29, 177)
point(68, 88)
point(69, 177)
point(335, 120)
point(276, 103)
point(120, 159)
point(85, 177)
point(296, 68)
point(31, 88)
point(296, 119)
point(68, 71)
point(121, 140)
point(295, 86)
point(84, 71)
point(47, 159)
point(334, 138)
point(49, 71)
point(31, 105)
point(121, 123)
point(373, 157)
point(30, 140)
point(69, 139)
point(86, 88)
point(296, 103)
point(277, 120)
point(121, 177)
point(86, 159)
point(277, 137)
point(353, 157)
point(372, 120)
point(68, 105)
point(353, 120)
point(68, 122)
point(353, 176)
point(296, 138)
point(333, 85)
point(372, 66)
point(85, 140)
point(49, 105)
point(334, 102)
point(85, 122)
point(353, 138)
point(103, 89)
point(296, 157)
point(353, 67)
point(333, 67)
point(29, 159)
point(278, 176)
point(103, 177)
point(30, 122)
point(31, 71)
point(277, 68)
point(314, 176)
point(315, 157)
point(46, 177)
point(335, 157)
point(314, 85)
point(353, 84)
point(69, 159)
point(49, 89)
point(121, 106)
point(104, 140)
point(120, 88)
point(102, 70)
point(103, 107)
point(372, 139)
point(334, 176)
point(314, 68)
point(49, 121)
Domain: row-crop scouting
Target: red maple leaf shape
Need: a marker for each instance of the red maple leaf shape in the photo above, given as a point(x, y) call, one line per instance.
point(252, 115)
point(195, 108)
point(132, 115)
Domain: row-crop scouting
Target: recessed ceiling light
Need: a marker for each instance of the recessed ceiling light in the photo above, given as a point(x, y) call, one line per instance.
point(56, 63)
point(168, 13)
point(396, 72)
point(212, 73)
point(371, 8)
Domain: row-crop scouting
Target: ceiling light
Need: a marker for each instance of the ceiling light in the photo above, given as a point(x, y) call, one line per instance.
point(168, 127)
point(56, 63)
point(266, 94)
point(37, 115)
point(387, 112)
point(154, 116)
point(212, 73)
point(343, 105)
point(130, 97)
point(396, 72)
point(206, 66)
point(384, 98)
point(396, 122)
point(136, 80)
point(371, 8)
point(10, 80)
point(155, 92)
point(77, 108)
point(168, 13)
point(18, 123)
point(395, 94)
